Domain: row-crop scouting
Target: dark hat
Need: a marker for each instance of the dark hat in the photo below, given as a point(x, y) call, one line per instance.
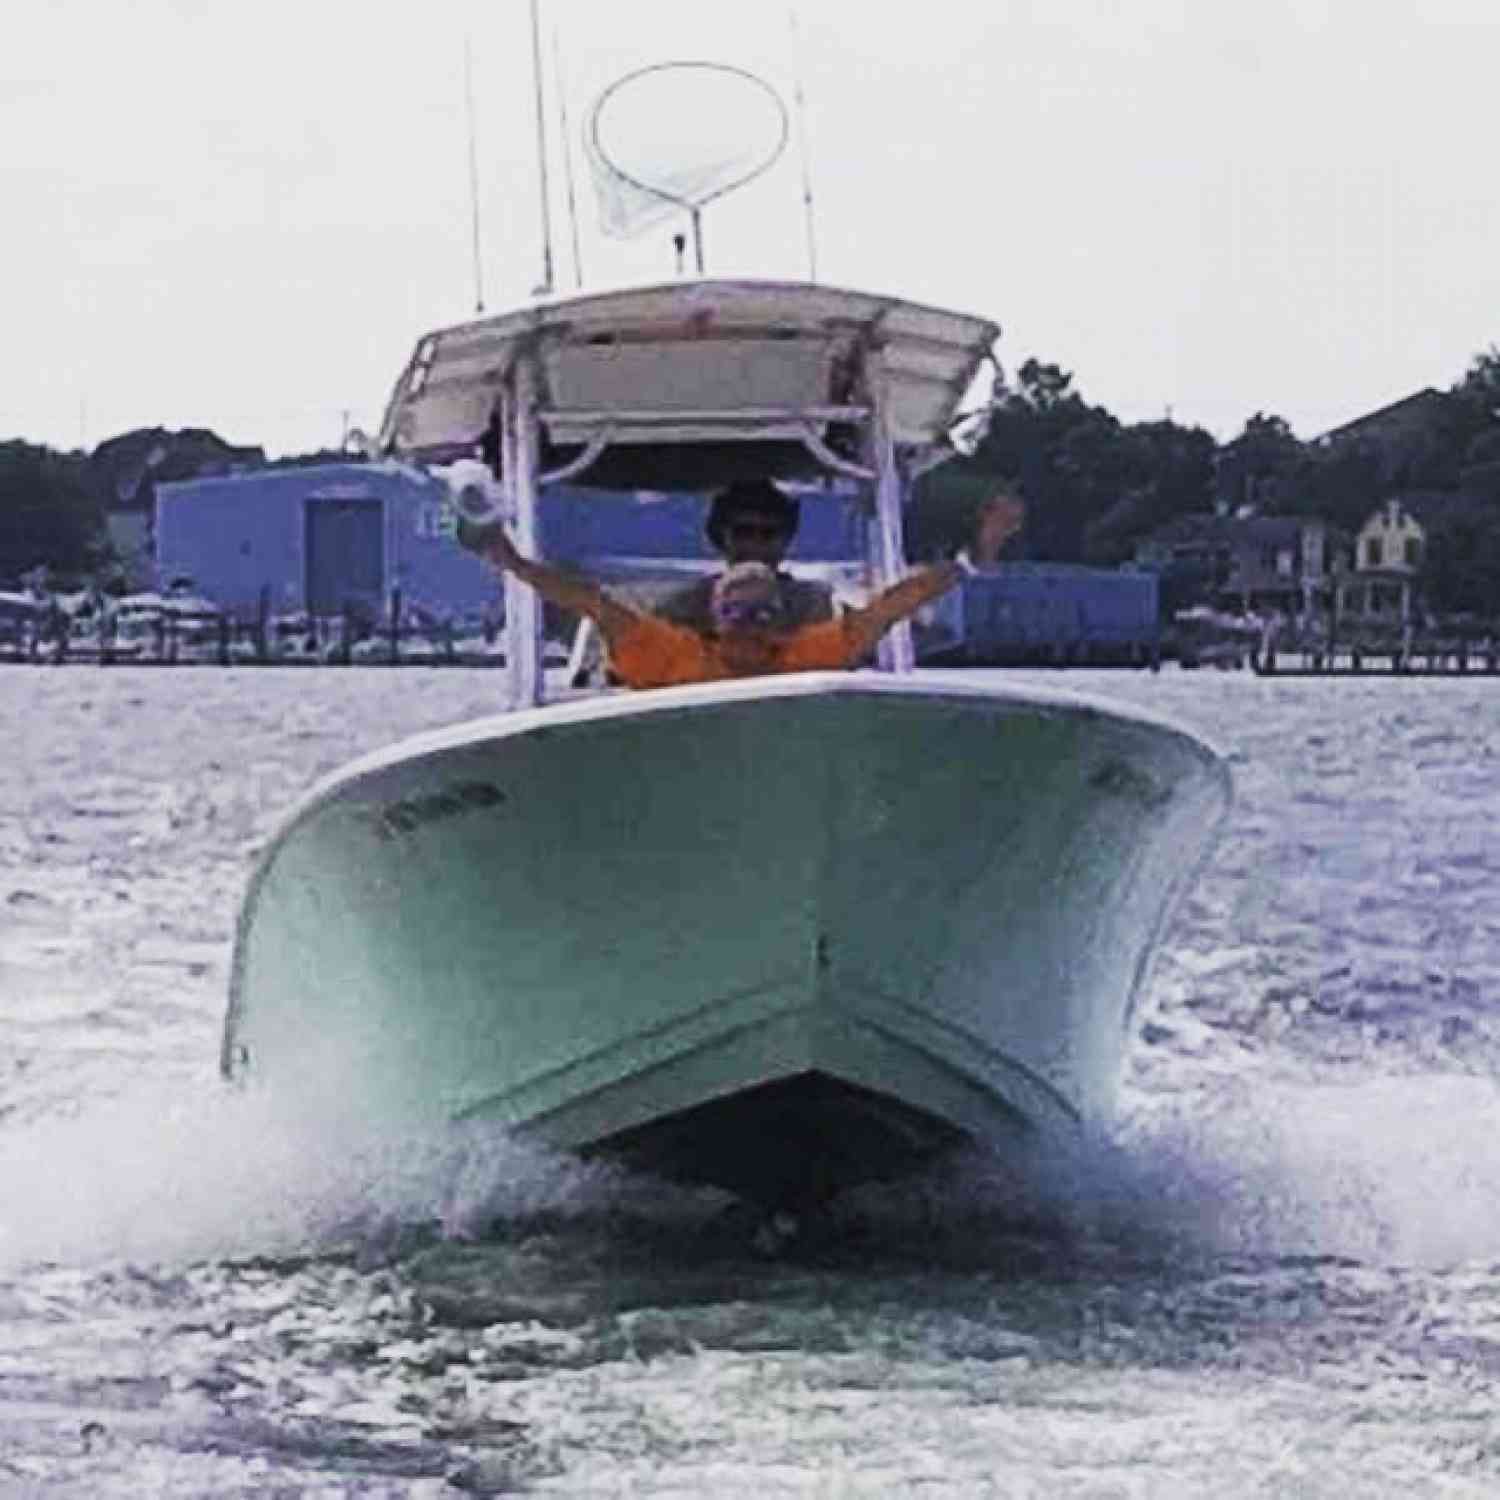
point(750, 496)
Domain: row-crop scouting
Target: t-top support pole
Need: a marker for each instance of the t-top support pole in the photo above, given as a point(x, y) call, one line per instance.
point(523, 609)
point(887, 542)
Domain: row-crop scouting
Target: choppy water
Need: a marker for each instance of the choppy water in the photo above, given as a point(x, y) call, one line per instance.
point(1278, 1275)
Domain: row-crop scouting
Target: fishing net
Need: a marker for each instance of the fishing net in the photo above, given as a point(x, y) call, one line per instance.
point(675, 136)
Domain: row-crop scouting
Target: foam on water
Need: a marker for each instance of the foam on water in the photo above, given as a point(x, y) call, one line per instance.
point(1399, 1169)
point(1396, 1170)
point(216, 1173)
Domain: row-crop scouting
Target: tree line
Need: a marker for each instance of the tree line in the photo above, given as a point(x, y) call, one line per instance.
point(53, 505)
point(1095, 487)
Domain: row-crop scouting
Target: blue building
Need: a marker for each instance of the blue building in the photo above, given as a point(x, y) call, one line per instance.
point(318, 539)
point(1048, 614)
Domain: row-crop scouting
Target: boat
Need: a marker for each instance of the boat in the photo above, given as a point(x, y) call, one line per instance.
point(779, 935)
point(23, 624)
point(174, 625)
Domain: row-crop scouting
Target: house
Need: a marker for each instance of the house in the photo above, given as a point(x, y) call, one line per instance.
point(1408, 444)
point(1411, 417)
point(1285, 564)
point(1390, 550)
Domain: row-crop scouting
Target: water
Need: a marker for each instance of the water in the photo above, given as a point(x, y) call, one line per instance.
point(1277, 1273)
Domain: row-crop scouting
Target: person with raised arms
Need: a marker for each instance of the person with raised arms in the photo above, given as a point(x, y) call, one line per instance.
point(749, 635)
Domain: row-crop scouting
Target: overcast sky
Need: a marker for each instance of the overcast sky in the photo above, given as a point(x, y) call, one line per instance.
point(243, 216)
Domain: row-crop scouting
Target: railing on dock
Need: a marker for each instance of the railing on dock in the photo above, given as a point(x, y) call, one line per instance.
point(1368, 653)
point(169, 639)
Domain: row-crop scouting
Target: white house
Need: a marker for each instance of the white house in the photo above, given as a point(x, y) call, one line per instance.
point(1390, 551)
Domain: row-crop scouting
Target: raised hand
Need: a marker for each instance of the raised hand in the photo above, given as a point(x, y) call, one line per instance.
point(491, 541)
point(477, 536)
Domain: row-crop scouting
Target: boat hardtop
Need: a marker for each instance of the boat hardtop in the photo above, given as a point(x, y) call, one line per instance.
point(694, 362)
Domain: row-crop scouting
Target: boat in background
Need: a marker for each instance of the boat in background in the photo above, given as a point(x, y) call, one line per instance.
point(23, 625)
point(781, 935)
point(174, 625)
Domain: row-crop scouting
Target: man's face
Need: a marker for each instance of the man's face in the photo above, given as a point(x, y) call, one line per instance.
point(755, 536)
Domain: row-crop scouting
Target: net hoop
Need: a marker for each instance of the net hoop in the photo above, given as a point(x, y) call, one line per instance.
point(691, 204)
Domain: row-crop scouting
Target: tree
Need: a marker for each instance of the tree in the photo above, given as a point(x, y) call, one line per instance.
point(1479, 390)
point(1067, 456)
point(1340, 484)
point(1480, 474)
point(1170, 474)
point(1093, 487)
point(49, 518)
point(1462, 571)
point(1477, 397)
point(945, 509)
point(1044, 387)
point(1254, 468)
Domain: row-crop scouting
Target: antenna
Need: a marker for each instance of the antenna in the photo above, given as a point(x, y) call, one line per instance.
point(804, 151)
point(562, 120)
point(473, 174)
point(545, 289)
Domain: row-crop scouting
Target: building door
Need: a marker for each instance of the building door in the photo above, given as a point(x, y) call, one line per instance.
point(345, 555)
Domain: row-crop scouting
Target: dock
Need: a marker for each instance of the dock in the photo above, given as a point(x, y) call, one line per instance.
point(1417, 658)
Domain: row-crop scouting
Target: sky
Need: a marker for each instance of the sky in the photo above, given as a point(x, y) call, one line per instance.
point(243, 217)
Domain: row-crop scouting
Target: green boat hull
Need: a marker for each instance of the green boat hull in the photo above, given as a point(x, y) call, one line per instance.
point(781, 936)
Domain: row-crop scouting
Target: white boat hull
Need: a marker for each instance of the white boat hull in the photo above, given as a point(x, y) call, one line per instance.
point(780, 935)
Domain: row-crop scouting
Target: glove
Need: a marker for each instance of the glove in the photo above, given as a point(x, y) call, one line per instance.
point(476, 537)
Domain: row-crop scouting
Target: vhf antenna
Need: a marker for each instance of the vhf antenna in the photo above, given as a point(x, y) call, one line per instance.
point(548, 283)
point(567, 140)
point(807, 192)
point(473, 174)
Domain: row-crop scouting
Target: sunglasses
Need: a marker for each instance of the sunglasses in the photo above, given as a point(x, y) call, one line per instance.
point(746, 612)
point(757, 531)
